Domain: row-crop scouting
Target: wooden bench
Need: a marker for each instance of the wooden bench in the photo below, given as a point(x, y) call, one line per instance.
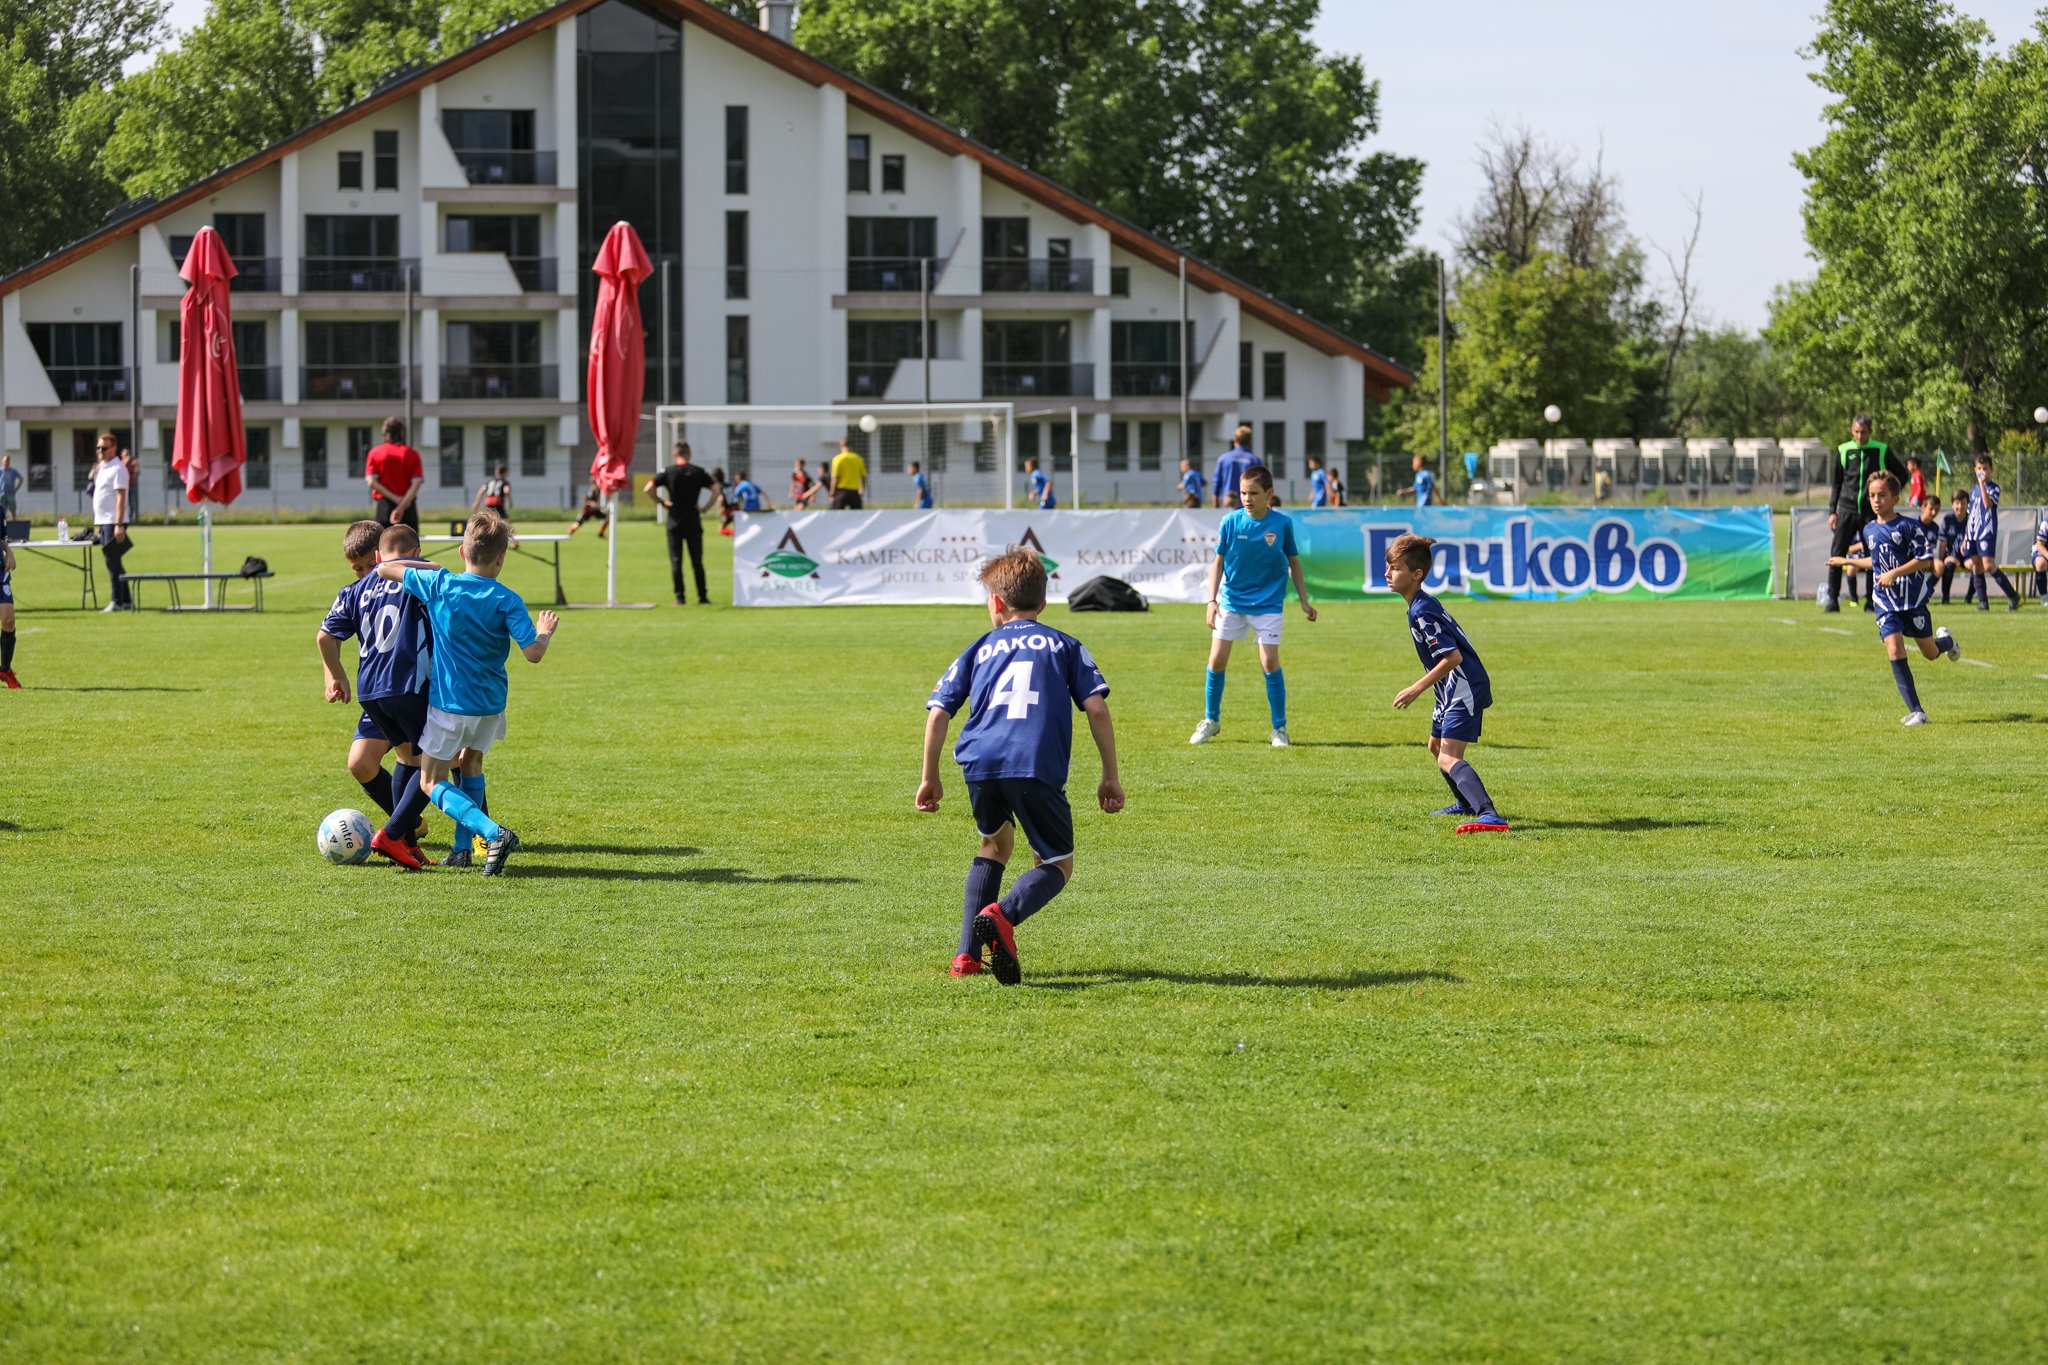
point(2021, 576)
point(172, 580)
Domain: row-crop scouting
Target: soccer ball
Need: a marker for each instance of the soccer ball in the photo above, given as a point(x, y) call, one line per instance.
point(868, 422)
point(344, 837)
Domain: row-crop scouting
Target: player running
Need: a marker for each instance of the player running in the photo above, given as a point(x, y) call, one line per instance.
point(1456, 676)
point(1899, 556)
point(1255, 558)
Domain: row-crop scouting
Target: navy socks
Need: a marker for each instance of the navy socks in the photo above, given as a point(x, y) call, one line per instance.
point(378, 789)
point(984, 883)
point(2004, 585)
point(409, 802)
point(6, 651)
point(1465, 781)
point(1033, 892)
point(1457, 796)
point(1902, 674)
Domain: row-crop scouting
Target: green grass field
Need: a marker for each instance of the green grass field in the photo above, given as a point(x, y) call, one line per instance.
point(1736, 1048)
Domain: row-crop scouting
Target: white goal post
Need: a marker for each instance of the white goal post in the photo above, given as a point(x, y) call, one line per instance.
point(968, 451)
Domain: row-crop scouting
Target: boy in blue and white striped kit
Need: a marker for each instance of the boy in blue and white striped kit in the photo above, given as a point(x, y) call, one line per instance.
point(1980, 540)
point(1900, 560)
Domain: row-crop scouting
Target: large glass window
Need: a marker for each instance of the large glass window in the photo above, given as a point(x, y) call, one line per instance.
point(883, 254)
point(496, 359)
point(735, 149)
point(313, 457)
point(497, 449)
point(1144, 358)
point(874, 347)
point(1031, 359)
point(1150, 443)
point(83, 359)
point(353, 360)
point(516, 236)
point(361, 235)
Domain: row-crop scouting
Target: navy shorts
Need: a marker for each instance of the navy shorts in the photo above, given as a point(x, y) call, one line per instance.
point(1979, 547)
point(1039, 807)
point(6, 588)
point(1914, 625)
point(400, 719)
point(1456, 721)
point(367, 728)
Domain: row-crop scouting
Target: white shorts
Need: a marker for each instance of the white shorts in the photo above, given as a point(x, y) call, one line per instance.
point(448, 734)
point(1232, 625)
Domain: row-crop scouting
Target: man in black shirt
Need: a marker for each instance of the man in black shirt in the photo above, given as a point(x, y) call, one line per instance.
point(1856, 459)
point(685, 486)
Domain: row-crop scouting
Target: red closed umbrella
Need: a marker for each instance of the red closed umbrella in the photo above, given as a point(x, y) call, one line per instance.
point(207, 445)
point(618, 356)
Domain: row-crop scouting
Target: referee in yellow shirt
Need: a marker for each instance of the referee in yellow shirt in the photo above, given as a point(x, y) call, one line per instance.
point(849, 479)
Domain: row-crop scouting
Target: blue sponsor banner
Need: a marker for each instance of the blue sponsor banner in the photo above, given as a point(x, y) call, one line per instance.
point(1546, 553)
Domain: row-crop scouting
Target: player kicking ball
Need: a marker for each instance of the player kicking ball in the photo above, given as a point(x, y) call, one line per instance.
point(1455, 675)
point(1017, 682)
point(1900, 559)
point(1255, 558)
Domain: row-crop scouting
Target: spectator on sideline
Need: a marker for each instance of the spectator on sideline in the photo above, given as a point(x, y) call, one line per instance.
point(1856, 459)
point(920, 487)
point(395, 476)
point(110, 516)
point(1336, 484)
point(10, 484)
point(1230, 469)
point(1318, 483)
point(1190, 485)
point(849, 478)
point(1916, 480)
point(1425, 483)
point(685, 485)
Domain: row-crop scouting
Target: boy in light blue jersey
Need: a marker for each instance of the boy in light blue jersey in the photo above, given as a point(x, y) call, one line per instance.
point(474, 617)
point(1255, 558)
point(1190, 485)
point(1425, 483)
point(1458, 680)
point(1980, 540)
point(1018, 682)
point(747, 495)
point(1318, 483)
point(1042, 495)
point(920, 487)
point(1899, 557)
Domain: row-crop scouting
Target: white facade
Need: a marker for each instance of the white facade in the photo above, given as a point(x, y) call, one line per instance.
point(494, 249)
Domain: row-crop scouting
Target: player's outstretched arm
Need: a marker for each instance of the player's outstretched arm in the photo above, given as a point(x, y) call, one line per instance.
point(937, 720)
point(1215, 586)
point(1110, 792)
point(544, 631)
point(330, 661)
point(1437, 673)
point(1848, 562)
point(1300, 586)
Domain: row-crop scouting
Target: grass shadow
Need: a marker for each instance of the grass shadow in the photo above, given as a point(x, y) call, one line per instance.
point(2009, 718)
point(621, 850)
point(1354, 744)
point(720, 876)
point(1129, 976)
point(9, 827)
point(1620, 824)
point(113, 689)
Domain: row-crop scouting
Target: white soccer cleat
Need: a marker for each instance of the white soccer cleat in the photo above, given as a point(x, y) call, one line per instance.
point(1946, 643)
point(1280, 737)
point(1914, 718)
point(1204, 732)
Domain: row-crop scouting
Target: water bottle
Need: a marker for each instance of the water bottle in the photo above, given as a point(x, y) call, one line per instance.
point(63, 529)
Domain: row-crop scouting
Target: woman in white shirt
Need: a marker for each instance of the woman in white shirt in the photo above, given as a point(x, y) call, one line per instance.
point(110, 516)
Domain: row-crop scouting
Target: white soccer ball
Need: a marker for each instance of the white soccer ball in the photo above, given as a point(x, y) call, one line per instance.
point(344, 837)
point(1553, 413)
point(868, 422)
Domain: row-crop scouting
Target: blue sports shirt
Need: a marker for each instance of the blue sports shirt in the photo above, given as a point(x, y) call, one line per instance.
point(1425, 487)
point(923, 488)
point(394, 650)
point(1230, 469)
point(474, 619)
point(1983, 511)
point(1041, 490)
point(1191, 483)
point(1319, 489)
point(1255, 552)
point(1953, 529)
point(1436, 635)
point(747, 494)
point(1890, 544)
point(1018, 681)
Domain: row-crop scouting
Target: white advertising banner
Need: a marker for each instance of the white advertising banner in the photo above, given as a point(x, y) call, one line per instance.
point(913, 558)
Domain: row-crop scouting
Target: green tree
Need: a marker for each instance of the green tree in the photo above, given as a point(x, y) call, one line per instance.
point(1731, 384)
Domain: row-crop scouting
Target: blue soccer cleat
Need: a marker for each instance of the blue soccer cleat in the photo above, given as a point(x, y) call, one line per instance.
point(1460, 809)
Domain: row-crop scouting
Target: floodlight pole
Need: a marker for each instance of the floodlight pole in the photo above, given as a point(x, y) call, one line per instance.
point(1074, 450)
point(924, 348)
point(1183, 348)
point(406, 379)
point(1443, 381)
point(135, 382)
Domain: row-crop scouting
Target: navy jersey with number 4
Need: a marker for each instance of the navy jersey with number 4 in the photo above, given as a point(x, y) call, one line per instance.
point(1436, 635)
point(394, 651)
point(1890, 544)
point(1021, 683)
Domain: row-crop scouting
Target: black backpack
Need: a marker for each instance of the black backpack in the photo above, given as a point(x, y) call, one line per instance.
point(1106, 594)
point(252, 567)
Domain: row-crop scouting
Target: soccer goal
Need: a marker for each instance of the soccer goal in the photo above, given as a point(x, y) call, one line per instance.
point(967, 450)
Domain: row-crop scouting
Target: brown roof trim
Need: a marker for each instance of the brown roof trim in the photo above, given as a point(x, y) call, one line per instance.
point(1381, 373)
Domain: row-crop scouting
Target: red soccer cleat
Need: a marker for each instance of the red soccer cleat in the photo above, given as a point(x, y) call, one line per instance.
point(13, 683)
point(993, 931)
point(967, 964)
point(1492, 824)
point(400, 853)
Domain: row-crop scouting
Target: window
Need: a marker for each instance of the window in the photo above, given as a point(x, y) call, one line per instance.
point(736, 254)
point(242, 234)
point(1030, 359)
point(451, 456)
point(892, 175)
point(349, 171)
point(313, 457)
point(167, 441)
point(1059, 248)
point(83, 359)
point(1006, 239)
point(1144, 359)
point(891, 461)
point(735, 149)
point(256, 469)
point(84, 455)
point(1027, 443)
point(1116, 456)
point(1120, 281)
point(1276, 374)
point(739, 448)
point(1150, 443)
point(495, 147)
point(514, 234)
point(352, 360)
point(1315, 439)
point(874, 348)
point(736, 360)
point(937, 436)
point(1273, 449)
point(1195, 444)
point(495, 360)
point(883, 254)
point(252, 363)
point(385, 146)
point(1244, 369)
point(39, 465)
point(1060, 436)
point(986, 460)
point(533, 452)
point(361, 440)
point(857, 164)
point(352, 236)
point(497, 449)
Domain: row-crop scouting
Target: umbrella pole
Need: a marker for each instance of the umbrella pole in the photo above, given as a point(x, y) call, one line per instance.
point(206, 555)
point(611, 555)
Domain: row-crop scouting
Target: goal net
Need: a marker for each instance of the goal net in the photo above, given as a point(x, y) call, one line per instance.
point(967, 450)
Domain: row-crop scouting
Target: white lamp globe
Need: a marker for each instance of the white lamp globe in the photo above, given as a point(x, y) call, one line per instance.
point(868, 422)
point(1553, 413)
point(2041, 416)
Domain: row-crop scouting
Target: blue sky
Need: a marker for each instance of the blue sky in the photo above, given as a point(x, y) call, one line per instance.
point(1708, 98)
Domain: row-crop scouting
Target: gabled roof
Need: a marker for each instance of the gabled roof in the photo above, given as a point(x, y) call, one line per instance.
point(1381, 373)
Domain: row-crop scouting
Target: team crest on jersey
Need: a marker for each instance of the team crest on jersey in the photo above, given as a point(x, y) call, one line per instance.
point(788, 560)
point(1272, 539)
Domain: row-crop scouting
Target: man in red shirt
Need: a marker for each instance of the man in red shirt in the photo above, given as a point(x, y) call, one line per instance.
point(395, 476)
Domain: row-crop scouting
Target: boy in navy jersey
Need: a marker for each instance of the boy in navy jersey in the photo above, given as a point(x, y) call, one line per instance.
point(368, 746)
point(1018, 682)
point(1980, 541)
point(1456, 676)
point(1953, 527)
point(1900, 560)
point(1255, 558)
point(2041, 555)
point(393, 654)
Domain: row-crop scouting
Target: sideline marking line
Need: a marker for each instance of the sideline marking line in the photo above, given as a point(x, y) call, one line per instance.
point(1784, 620)
point(1832, 630)
point(1980, 663)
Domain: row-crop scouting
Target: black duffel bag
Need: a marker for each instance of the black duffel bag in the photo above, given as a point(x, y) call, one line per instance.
point(1106, 594)
point(253, 567)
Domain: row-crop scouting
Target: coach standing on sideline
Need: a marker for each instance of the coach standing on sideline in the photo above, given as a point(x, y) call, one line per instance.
point(395, 476)
point(110, 516)
point(1856, 459)
point(685, 484)
point(1234, 462)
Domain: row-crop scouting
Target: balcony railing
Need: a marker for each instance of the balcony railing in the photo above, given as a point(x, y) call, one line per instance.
point(870, 379)
point(885, 274)
point(90, 383)
point(358, 274)
point(256, 275)
point(261, 383)
point(328, 382)
point(499, 381)
point(1057, 380)
point(503, 167)
point(1013, 275)
point(1145, 379)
